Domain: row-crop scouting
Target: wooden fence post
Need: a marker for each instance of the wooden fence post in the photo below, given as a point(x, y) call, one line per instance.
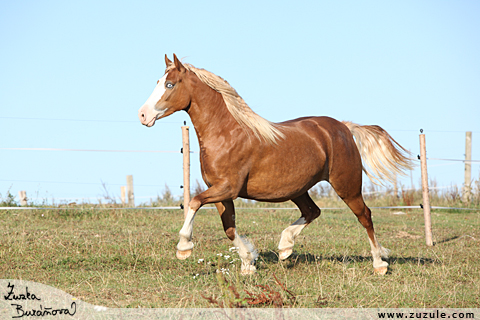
point(186, 169)
point(426, 198)
point(467, 187)
point(122, 194)
point(23, 197)
point(131, 196)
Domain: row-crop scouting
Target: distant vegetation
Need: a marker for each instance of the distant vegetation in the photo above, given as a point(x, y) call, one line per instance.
point(7, 200)
point(322, 193)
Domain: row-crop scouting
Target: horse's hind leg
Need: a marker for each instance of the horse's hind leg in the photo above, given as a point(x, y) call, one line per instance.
point(246, 251)
point(309, 211)
point(364, 216)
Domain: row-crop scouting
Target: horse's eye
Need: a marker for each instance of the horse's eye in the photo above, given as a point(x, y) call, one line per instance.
point(169, 85)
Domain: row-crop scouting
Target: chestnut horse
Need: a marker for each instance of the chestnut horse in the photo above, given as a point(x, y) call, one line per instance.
point(244, 155)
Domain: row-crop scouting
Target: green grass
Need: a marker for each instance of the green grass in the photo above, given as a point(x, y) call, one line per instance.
point(120, 258)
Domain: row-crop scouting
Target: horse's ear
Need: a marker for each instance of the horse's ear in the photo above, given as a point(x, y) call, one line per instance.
point(178, 64)
point(168, 62)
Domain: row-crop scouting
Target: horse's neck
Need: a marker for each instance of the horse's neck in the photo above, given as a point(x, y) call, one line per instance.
point(211, 118)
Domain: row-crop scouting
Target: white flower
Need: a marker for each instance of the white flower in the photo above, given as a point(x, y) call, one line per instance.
point(219, 254)
point(226, 257)
point(233, 249)
point(200, 260)
point(223, 270)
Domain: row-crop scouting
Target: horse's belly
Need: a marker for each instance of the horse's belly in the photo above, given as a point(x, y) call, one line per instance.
point(284, 178)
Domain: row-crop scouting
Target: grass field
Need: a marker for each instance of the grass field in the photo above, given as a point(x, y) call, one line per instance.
point(126, 258)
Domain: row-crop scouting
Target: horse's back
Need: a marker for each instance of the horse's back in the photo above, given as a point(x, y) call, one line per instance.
point(325, 124)
point(328, 134)
point(343, 163)
point(308, 153)
point(334, 137)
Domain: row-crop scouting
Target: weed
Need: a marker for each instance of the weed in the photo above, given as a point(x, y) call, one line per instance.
point(199, 188)
point(407, 197)
point(232, 299)
point(8, 200)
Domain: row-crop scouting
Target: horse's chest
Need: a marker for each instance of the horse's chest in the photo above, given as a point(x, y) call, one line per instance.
point(220, 165)
point(209, 168)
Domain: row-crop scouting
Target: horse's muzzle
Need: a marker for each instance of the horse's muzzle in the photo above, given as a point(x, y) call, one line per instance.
point(146, 118)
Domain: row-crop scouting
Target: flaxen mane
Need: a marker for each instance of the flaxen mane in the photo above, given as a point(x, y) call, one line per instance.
point(262, 128)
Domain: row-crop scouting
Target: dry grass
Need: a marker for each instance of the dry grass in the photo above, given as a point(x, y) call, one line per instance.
point(120, 258)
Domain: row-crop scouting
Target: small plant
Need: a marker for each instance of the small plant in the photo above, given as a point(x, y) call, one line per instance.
point(167, 196)
point(268, 296)
point(476, 192)
point(199, 188)
point(106, 195)
point(407, 196)
point(453, 195)
point(272, 297)
point(8, 201)
point(166, 199)
point(230, 296)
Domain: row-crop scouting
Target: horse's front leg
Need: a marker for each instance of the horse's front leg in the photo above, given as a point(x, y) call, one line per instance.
point(246, 251)
point(214, 194)
point(185, 245)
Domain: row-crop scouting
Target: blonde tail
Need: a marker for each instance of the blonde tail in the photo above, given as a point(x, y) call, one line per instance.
point(382, 156)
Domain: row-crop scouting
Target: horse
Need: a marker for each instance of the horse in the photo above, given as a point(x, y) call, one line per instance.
point(244, 155)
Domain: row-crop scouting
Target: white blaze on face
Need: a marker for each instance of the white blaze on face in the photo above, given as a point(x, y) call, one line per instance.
point(157, 93)
point(148, 113)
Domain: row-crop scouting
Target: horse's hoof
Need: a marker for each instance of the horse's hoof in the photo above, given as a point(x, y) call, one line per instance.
point(248, 268)
point(380, 271)
point(285, 253)
point(182, 255)
point(249, 271)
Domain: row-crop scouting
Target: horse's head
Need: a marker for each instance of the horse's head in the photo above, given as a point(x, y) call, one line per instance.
point(170, 94)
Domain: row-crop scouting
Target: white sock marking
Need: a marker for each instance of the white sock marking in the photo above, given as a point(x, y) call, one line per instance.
point(247, 252)
point(185, 233)
point(287, 239)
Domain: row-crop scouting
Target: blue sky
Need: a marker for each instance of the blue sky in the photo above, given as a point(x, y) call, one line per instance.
point(74, 74)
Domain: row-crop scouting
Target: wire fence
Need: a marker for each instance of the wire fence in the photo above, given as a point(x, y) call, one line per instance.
point(160, 185)
point(449, 161)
